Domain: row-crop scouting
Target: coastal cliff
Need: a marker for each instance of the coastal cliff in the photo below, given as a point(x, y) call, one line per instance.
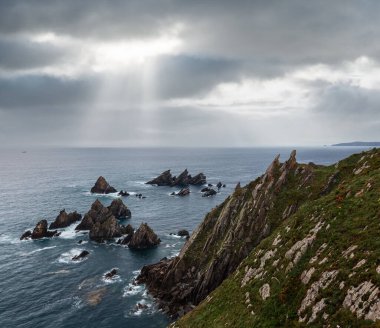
point(271, 252)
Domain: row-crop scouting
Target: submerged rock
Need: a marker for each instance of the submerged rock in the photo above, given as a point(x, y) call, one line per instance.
point(111, 274)
point(64, 220)
point(119, 209)
point(143, 238)
point(123, 193)
point(80, 256)
point(102, 187)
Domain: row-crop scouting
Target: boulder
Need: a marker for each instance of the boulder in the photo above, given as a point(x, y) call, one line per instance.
point(206, 189)
point(208, 193)
point(123, 193)
point(41, 231)
point(102, 187)
point(64, 220)
point(144, 238)
point(219, 185)
point(119, 210)
point(111, 274)
point(80, 256)
point(183, 233)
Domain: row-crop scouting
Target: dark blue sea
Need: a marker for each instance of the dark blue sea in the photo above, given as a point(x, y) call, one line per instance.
point(40, 286)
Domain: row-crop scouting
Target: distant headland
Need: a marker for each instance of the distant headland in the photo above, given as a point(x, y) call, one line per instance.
point(359, 143)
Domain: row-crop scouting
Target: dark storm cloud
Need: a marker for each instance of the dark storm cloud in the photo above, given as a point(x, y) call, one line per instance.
point(40, 92)
point(195, 74)
point(22, 54)
point(222, 41)
point(344, 101)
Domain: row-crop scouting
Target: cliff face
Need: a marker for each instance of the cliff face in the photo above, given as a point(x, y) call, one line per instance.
point(230, 232)
point(318, 266)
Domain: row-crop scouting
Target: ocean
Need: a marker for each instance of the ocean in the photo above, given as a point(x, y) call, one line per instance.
point(40, 286)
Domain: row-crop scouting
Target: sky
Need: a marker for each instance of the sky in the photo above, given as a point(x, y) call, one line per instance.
point(153, 73)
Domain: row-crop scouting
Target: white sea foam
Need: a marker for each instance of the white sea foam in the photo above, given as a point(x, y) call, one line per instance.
point(77, 302)
point(112, 195)
point(131, 290)
point(5, 240)
point(67, 256)
point(38, 250)
point(112, 280)
point(69, 232)
point(174, 236)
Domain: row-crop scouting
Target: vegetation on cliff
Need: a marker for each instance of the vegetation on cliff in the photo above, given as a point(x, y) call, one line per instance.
point(319, 266)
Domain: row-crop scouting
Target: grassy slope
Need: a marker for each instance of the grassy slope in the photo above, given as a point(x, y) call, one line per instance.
point(348, 219)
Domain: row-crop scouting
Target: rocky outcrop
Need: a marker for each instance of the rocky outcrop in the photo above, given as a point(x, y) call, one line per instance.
point(80, 256)
point(144, 238)
point(111, 274)
point(123, 193)
point(64, 220)
point(102, 187)
point(119, 209)
point(183, 281)
point(102, 223)
point(183, 180)
point(209, 192)
point(183, 233)
point(183, 192)
point(40, 231)
point(316, 265)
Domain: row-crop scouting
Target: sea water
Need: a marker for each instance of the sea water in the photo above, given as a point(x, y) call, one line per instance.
point(40, 285)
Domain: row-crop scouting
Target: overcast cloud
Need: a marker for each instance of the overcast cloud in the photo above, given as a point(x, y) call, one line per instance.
point(189, 73)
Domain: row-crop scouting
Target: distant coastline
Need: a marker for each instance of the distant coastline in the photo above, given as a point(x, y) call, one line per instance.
point(359, 143)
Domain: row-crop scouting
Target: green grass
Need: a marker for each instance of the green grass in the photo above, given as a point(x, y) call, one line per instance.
point(352, 220)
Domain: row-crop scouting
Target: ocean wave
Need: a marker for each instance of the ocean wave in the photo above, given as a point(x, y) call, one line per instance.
point(6, 240)
point(38, 250)
point(142, 306)
point(67, 256)
point(112, 195)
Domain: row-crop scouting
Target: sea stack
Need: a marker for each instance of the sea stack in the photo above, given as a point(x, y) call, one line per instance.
point(102, 187)
point(144, 238)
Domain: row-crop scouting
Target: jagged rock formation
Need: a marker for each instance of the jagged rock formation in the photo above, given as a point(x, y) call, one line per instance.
point(102, 223)
point(183, 180)
point(64, 220)
point(279, 242)
point(119, 209)
point(318, 265)
point(143, 238)
point(39, 231)
point(102, 187)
